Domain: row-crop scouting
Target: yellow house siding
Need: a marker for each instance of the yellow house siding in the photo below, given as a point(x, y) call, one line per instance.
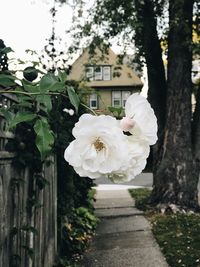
point(126, 81)
point(105, 95)
point(127, 76)
point(105, 99)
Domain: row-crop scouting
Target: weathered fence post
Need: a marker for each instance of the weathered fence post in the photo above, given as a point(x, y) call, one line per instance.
point(28, 237)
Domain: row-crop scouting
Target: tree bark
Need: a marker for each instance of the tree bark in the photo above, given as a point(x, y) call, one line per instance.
point(155, 68)
point(177, 176)
point(196, 128)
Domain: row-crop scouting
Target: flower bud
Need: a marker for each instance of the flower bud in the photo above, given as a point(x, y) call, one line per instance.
point(127, 124)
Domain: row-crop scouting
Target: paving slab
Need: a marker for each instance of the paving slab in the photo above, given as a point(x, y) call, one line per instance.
point(129, 257)
point(117, 212)
point(114, 203)
point(123, 240)
point(107, 194)
point(122, 224)
point(143, 179)
point(123, 237)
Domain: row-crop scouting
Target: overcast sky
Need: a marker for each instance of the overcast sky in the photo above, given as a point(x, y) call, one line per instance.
point(26, 24)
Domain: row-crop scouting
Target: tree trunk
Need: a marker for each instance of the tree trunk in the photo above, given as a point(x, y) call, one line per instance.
point(177, 176)
point(196, 128)
point(155, 67)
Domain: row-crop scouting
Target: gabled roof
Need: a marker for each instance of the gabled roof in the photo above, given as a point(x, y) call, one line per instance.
point(127, 76)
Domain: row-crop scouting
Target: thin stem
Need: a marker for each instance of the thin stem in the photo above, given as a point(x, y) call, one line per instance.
point(89, 109)
point(26, 93)
point(37, 93)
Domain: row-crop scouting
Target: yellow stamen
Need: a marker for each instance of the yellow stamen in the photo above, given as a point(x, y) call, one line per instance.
point(98, 144)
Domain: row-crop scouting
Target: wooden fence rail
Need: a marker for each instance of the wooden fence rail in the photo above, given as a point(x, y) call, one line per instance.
point(27, 233)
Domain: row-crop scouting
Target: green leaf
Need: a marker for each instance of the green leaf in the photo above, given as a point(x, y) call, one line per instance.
point(44, 137)
point(6, 114)
point(30, 87)
point(24, 98)
point(118, 110)
point(22, 117)
point(6, 50)
point(44, 102)
point(73, 97)
point(62, 75)
point(49, 82)
point(7, 80)
point(23, 101)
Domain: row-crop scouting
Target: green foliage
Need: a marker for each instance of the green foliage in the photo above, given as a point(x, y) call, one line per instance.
point(116, 111)
point(50, 82)
point(34, 104)
point(176, 234)
point(7, 80)
point(44, 137)
point(40, 130)
point(74, 99)
point(79, 230)
point(141, 196)
point(178, 237)
point(21, 116)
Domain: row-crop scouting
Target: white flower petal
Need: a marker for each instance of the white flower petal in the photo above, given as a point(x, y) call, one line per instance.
point(100, 146)
point(138, 152)
point(138, 108)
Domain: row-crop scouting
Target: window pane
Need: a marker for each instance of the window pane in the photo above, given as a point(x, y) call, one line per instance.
point(116, 103)
point(93, 96)
point(116, 94)
point(90, 73)
point(106, 73)
point(116, 98)
point(125, 95)
point(93, 101)
point(98, 73)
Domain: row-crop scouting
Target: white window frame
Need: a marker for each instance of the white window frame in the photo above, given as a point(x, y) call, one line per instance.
point(93, 98)
point(106, 73)
point(114, 98)
point(90, 73)
point(122, 97)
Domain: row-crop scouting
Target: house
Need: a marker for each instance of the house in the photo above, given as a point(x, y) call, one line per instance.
point(112, 83)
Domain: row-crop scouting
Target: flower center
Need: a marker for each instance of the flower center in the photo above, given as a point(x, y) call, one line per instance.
point(98, 144)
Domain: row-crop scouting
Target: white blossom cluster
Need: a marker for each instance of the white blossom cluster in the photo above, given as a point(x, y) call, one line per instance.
point(102, 148)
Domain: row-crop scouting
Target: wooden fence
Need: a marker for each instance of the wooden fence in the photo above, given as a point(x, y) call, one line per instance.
point(27, 235)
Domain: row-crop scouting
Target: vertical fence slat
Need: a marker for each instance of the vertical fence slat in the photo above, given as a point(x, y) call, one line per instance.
point(14, 215)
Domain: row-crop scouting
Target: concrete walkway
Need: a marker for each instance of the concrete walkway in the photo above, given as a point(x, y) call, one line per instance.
point(123, 237)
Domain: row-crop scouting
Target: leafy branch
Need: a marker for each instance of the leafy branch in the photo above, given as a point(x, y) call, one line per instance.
point(34, 103)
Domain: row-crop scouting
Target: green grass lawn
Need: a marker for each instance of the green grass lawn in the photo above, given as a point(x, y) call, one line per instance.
point(177, 234)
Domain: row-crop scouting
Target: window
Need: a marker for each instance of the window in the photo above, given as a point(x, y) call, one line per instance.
point(116, 98)
point(90, 73)
point(98, 73)
point(93, 101)
point(125, 95)
point(106, 73)
point(119, 98)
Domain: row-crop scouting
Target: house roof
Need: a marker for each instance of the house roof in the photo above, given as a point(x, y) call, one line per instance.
point(127, 76)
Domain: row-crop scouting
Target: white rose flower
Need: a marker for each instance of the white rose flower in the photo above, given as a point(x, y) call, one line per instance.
point(138, 151)
point(144, 121)
point(99, 148)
